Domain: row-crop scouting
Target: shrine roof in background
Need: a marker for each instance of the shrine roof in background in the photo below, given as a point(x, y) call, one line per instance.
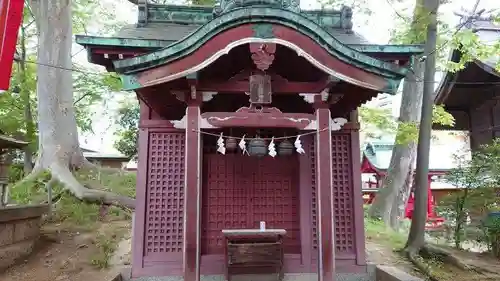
point(477, 75)
point(443, 156)
point(9, 142)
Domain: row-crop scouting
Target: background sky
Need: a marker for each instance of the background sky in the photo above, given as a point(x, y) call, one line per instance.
point(376, 28)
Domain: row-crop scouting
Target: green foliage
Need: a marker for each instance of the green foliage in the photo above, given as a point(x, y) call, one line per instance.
point(90, 90)
point(472, 48)
point(412, 31)
point(478, 179)
point(95, 16)
point(30, 192)
point(491, 228)
point(442, 117)
point(376, 120)
point(16, 172)
point(121, 183)
point(382, 122)
point(127, 120)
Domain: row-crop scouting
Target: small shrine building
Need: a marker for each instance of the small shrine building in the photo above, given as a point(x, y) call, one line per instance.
point(248, 127)
point(472, 94)
point(375, 161)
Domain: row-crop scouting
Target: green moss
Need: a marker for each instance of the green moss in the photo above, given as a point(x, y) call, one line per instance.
point(376, 231)
point(70, 212)
point(30, 191)
point(121, 183)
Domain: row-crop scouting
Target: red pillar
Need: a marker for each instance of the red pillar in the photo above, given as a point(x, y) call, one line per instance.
point(11, 15)
point(359, 226)
point(192, 195)
point(324, 198)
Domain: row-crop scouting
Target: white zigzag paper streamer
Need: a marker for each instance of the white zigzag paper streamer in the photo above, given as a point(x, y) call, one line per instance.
point(272, 148)
point(220, 145)
point(298, 146)
point(243, 145)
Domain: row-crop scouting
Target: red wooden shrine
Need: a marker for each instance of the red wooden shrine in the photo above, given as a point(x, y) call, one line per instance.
point(433, 220)
point(248, 70)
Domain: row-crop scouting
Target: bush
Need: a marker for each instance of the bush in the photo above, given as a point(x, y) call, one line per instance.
point(491, 228)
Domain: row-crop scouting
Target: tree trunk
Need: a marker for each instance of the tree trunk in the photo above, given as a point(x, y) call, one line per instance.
point(398, 212)
point(59, 150)
point(416, 237)
point(403, 155)
point(393, 189)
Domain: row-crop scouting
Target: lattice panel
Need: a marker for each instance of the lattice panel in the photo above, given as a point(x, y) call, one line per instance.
point(165, 193)
point(342, 193)
point(240, 191)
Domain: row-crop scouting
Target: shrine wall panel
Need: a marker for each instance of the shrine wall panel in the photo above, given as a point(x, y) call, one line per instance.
point(342, 194)
point(164, 195)
point(239, 191)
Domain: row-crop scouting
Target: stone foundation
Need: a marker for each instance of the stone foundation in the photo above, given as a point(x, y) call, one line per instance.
point(369, 276)
point(19, 230)
point(390, 273)
point(375, 273)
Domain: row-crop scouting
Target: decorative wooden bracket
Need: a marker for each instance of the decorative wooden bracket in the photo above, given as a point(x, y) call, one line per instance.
point(262, 117)
point(192, 80)
point(262, 55)
point(256, 118)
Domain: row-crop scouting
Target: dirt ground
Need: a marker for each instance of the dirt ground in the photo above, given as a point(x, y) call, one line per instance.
point(483, 268)
point(66, 256)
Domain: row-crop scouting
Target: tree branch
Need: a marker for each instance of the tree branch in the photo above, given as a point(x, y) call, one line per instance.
point(81, 98)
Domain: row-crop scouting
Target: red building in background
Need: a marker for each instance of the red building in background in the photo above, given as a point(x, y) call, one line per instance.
point(11, 14)
point(376, 157)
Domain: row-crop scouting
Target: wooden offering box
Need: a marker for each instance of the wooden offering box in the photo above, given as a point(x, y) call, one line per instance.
point(254, 251)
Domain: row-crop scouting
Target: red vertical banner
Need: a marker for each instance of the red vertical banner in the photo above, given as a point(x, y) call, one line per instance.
point(11, 14)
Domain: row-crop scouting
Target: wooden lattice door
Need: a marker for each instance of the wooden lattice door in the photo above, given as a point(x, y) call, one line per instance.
point(239, 191)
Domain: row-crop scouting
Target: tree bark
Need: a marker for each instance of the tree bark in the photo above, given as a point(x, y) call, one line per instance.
point(416, 237)
point(59, 150)
point(393, 191)
point(398, 212)
point(390, 202)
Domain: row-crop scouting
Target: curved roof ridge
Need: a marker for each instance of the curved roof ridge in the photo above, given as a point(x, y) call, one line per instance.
point(259, 15)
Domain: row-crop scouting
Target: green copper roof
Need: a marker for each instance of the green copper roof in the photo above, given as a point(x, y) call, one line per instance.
point(125, 42)
point(259, 15)
point(199, 15)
